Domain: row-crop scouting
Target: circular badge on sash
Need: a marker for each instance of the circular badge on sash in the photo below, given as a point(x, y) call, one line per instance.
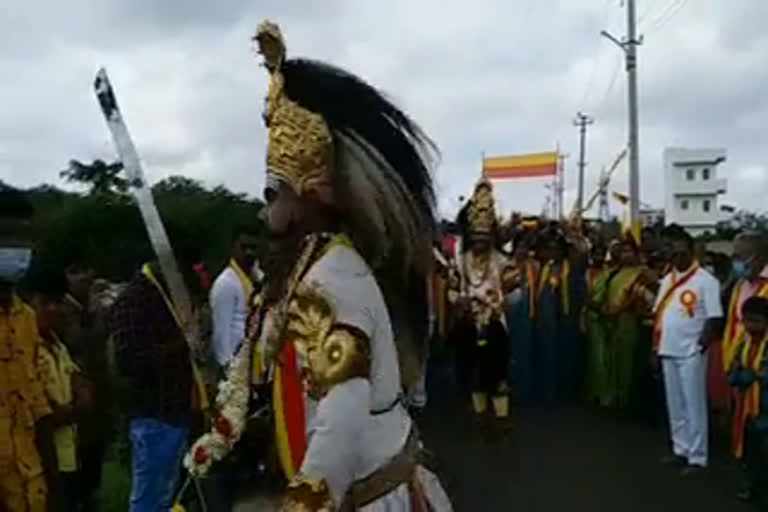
point(688, 300)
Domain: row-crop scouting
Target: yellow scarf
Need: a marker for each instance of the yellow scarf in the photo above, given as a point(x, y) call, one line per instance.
point(562, 282)
point(754, 365)
point(202, 395)
point(749, 406)
point(245, 281)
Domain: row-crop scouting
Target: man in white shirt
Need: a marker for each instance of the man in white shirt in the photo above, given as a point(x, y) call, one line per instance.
point(230, 297)
point(688, 313)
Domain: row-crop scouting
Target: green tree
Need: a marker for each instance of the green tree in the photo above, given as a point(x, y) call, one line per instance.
point(104, 227)
point(101, 177)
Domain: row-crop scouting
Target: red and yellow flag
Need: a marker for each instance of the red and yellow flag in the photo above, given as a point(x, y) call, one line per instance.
point(520, 166)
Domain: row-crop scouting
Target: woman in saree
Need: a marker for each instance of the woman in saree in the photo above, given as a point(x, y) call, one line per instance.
point(571, 355)
point(551, 301)
point(598, 276)
point(520, 286)
point(628, 302)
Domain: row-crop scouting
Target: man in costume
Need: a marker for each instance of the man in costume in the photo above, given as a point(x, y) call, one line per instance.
point(482, 270)
point(348, 188)
point(687, 311)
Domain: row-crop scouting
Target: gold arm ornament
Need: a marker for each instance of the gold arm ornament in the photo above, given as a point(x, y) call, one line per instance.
point(335, 352)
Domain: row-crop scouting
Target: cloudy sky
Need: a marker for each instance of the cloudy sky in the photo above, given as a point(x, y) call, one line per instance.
point(489, 76)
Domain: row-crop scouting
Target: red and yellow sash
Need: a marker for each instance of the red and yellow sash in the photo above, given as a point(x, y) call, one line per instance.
point(734, 329)
point(677, 283)
point(290, 418)
point(245, 281)
point(532, 286)
point(199, 394)
point(562, 282)
point(748, 406)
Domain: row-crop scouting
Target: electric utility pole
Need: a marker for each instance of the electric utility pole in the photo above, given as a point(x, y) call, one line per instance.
point(629, 46)
point(582, 121)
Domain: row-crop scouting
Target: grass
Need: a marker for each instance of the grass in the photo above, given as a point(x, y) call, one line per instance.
point(115, 484)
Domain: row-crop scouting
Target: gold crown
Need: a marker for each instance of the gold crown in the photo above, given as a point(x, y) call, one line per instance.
point(482, 211)
point(300, 150)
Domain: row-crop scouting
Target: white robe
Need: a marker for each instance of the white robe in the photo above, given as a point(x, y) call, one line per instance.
point(346, 441)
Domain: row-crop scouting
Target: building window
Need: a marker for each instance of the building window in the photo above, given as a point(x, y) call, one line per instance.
point(684, 204)
point(705, 174)
point(706, 205)
point(690, 174)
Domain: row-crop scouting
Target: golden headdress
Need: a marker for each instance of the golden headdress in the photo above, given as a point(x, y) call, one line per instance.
point(481, 214)
point(333, 134)
point(300, 150)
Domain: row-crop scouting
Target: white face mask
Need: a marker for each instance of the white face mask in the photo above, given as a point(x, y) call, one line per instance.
point(14, 262)
point(256, 274)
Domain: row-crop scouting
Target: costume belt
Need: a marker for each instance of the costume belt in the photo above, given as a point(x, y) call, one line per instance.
point(399, 470)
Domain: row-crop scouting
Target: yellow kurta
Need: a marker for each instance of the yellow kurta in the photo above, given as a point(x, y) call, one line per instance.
point(56, 369)
point(22, 404)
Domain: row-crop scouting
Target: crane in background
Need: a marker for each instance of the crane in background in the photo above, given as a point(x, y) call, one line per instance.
point(602, 190)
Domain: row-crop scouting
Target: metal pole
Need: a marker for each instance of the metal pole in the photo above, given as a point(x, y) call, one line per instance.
point(634, 156)
point(629, 46)
point(582, 121)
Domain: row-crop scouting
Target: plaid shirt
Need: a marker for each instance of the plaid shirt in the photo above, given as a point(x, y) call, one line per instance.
point(151, 354)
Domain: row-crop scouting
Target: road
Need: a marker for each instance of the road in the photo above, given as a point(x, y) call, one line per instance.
point(569, 459)
point(565, 459)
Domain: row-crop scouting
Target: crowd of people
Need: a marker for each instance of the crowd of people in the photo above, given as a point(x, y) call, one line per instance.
point(652, 326)
point(316, 366)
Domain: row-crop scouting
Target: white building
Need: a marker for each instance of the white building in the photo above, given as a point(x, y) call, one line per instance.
point(692, 187)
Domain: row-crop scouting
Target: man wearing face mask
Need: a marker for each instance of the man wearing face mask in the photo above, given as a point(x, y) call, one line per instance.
point(750, 270)
point(25, 416)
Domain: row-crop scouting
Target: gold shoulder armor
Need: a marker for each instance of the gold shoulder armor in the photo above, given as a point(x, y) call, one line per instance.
point(335, 352)
point(307, 495)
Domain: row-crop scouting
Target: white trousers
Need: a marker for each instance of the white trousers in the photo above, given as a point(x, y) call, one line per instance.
point(685, 382)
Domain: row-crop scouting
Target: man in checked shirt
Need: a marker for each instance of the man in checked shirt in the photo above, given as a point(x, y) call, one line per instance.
point(153, 356)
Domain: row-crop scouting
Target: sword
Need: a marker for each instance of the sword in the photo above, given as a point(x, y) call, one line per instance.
point(151, 217)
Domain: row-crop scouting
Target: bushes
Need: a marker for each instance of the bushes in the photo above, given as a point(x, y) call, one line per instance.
point(106, 230)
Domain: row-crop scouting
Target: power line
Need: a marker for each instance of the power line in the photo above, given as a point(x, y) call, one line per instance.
point(596, 61)
point(647, 11)
point(612, 83)
point(666, 17)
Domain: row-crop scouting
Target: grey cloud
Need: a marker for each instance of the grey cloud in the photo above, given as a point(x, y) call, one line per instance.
point(487, 75)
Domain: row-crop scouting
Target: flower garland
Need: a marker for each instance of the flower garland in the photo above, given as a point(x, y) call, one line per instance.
point(234, 390)
point(232, 402)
